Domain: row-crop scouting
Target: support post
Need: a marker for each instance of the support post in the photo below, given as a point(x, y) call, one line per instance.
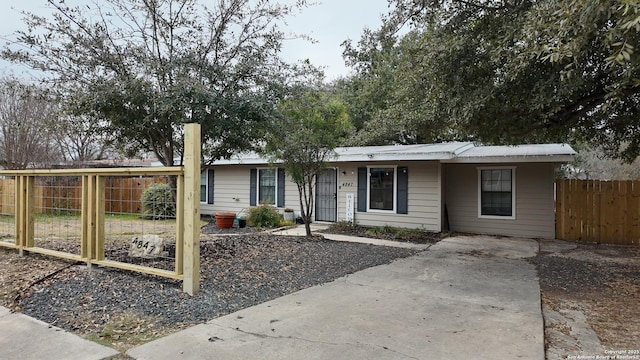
point(180, 225)
point(84, 219)
point(99, 217)
point(24, 213)
point(191, 263)
point(19, 214)
point(28, 215)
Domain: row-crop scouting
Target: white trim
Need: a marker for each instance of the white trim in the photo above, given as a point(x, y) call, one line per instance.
point(395, 188)
point(275, 192)
point(513, 192)
point(206, 186)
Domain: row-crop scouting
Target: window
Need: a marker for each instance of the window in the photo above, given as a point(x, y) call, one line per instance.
point(203, 186)
point(206, 186)
point(382, 187)
point(497, 192)
point(267, 186)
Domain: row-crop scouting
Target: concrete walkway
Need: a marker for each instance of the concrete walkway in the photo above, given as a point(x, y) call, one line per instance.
point(316, 227)
point(464, 298)
point(24, 338)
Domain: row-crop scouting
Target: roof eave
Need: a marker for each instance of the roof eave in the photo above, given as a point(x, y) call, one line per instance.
point(512, 159)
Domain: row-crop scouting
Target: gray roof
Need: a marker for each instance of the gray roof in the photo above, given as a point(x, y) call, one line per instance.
point(450, 152)
point(517, 153)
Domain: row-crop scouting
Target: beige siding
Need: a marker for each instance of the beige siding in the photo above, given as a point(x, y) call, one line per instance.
point(424, 196)
point(231, 190)
point(534, 201)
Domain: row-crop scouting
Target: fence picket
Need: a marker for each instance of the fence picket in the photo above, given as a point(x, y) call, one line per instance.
point(598, 211)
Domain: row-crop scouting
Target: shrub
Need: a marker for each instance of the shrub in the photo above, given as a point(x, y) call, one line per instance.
point(411, 234)
point(386, 229)
point(343, 226)
point(264, 216)
point(157, 202)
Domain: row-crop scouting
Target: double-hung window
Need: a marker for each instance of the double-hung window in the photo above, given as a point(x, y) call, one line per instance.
point(206, 186)
point(382, 188)
point(267, 186)
point(496, 192)
point(203, 186)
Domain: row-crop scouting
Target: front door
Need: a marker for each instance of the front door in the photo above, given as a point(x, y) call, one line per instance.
point(327, 195)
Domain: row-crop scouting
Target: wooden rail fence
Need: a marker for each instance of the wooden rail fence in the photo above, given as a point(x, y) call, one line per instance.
point(598, 211)
point(89, 197)
point(51, 195)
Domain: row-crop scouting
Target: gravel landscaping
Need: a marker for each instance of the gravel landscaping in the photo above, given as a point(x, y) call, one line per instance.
point(237, 271)
point(601, 282)
point(244, 267)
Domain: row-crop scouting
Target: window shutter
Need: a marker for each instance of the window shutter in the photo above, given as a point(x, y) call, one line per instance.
point(403, 190)
point(362, 189)
point(281, 177)
point(253, 187)
point(210, 186)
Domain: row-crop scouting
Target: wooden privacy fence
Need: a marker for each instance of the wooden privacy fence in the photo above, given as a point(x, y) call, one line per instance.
point(56, 194)
point(598, 211)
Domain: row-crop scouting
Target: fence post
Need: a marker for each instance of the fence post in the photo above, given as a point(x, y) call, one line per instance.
point(99, 217)
point(24, 212)
point(191, 263)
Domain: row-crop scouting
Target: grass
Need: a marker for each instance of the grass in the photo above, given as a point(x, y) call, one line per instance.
point(127, 330)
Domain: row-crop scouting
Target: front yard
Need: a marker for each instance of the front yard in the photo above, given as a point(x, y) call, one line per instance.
point(123, 309)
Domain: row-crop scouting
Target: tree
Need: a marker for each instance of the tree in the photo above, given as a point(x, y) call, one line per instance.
point(386, 102)
point(511, 71)
point(592, 163)
point(82, 138)
point(149, 66)
point(312, 124)
point(26, 137)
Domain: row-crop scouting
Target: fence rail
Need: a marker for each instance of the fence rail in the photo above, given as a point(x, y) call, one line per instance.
point(598, 211)
point(52, 195)
point(86, 197)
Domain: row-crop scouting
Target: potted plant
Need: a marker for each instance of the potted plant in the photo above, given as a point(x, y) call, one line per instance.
point(224, 220)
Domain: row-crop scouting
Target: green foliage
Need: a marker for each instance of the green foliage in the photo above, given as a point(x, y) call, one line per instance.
point(502, 72)
point(411, 234)
point(148, 67)
point(264, 216)
point(157, 202)
point(312, 124)
point(385, 229)
point(403, 234)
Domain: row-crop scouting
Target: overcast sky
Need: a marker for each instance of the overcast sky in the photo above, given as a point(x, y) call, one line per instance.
point(330, 23)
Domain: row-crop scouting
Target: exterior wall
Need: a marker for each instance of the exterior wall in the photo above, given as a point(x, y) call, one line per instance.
point(231, 190)
point(424, 199)
point(534, 201)
point(231, 193)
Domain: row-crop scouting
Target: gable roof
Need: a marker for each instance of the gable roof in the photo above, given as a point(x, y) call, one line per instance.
point(450, 152)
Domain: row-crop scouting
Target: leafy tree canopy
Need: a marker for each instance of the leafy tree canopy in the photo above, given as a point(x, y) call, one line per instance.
point(149, 66)
point(507, 71)
point(312, 124)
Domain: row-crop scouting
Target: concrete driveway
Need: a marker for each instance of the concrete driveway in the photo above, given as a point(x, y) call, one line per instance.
point(464, 298)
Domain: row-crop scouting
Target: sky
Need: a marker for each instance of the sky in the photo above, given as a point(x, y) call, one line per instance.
point(330, 22)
